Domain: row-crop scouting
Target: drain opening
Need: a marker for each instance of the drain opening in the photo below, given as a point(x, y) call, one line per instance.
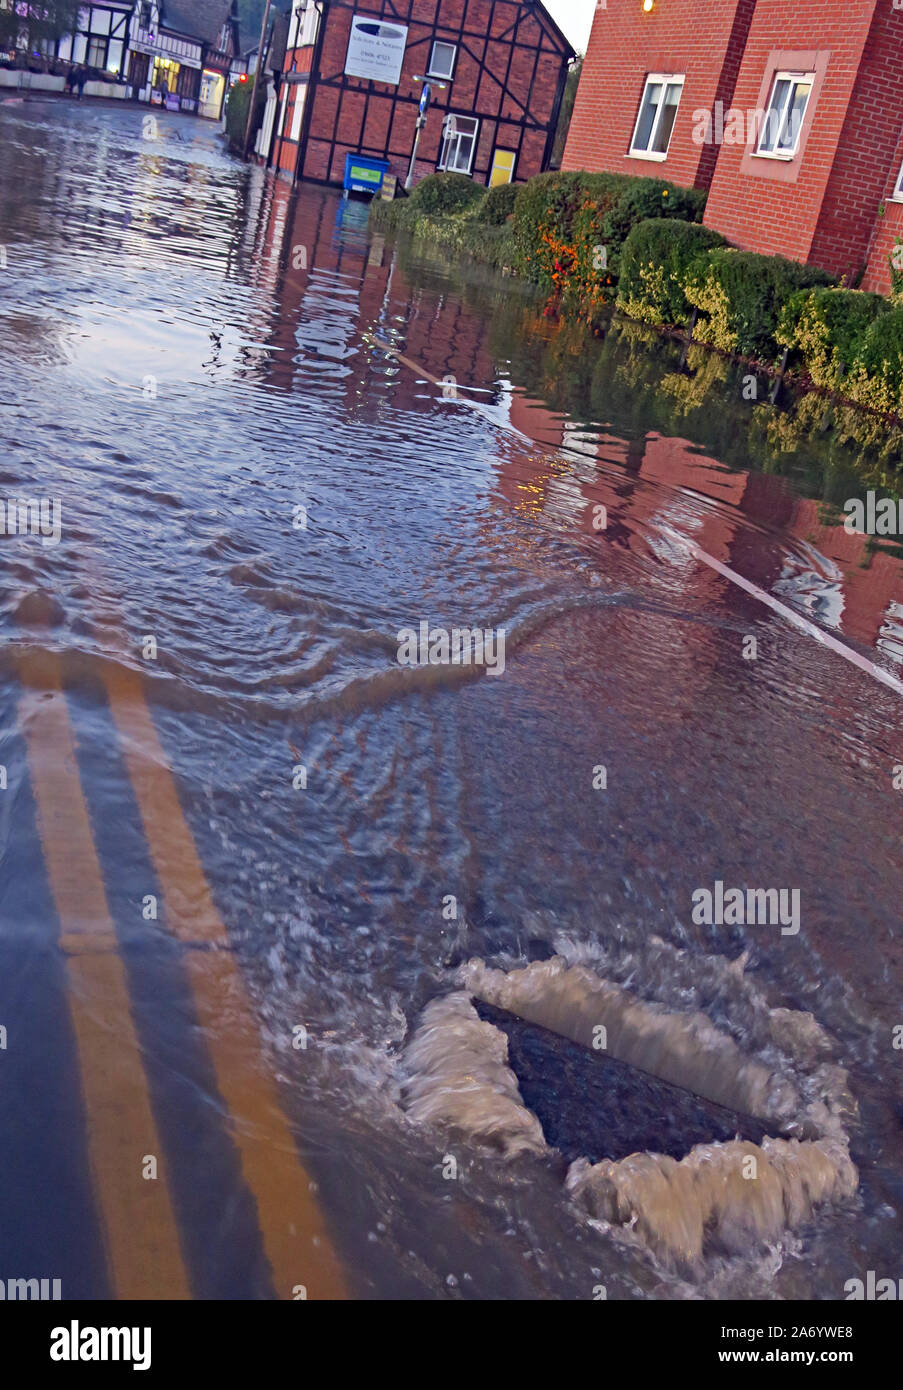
point(591, 1105)
point(666, 1086)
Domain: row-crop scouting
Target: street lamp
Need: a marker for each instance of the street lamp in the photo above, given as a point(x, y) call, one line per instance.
point(425, 98)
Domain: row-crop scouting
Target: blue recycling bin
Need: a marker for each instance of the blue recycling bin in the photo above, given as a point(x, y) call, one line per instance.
point(364, 175)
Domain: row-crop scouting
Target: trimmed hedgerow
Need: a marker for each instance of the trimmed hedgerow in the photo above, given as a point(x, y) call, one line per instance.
point(237, 103)
point(826, 329)
point(876, 377)
point(544, 213)
point(601, 231)
point(655, 259)
point(444, 194)
point(498, 205)
point(740, 295)
point(652, 198)
point(586, 237)
point(569, 228)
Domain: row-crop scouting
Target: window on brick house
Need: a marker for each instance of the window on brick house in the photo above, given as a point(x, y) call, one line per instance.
point(658, 109)
point(779, 137)
point(459, 143)
point(442, 60)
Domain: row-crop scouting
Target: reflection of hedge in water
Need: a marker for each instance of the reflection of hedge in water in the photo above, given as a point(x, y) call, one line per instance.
point(631, 378)
point(634, 381)
point(591, 239)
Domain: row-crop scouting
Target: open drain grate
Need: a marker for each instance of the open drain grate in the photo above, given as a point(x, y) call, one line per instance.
point(658, 1128)
point(591, 1105)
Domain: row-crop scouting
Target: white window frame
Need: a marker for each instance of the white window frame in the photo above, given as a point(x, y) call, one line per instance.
point(666, 79)
point(432, 70)
point(453, 139)
point(897, 195)
point(101, 63)
point(310, 25)
point(793, 79)
point(298, 110)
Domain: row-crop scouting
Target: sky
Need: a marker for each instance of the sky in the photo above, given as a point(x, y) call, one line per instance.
point(575, 17)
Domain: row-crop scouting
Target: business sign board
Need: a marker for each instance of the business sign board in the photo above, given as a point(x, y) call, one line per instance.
point(376, 50)
point(160, 50)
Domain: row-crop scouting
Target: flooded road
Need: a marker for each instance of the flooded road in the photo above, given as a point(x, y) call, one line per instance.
point(244, 846)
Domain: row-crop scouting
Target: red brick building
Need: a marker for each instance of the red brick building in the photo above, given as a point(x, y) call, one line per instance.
point(791, 115)
point(354, 73)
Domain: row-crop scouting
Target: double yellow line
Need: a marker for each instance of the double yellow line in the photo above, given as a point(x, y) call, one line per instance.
point(145, 1253)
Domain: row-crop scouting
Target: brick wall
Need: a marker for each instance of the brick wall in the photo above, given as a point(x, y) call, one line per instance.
point(702, 40)
point(821, 204)
point(832, 204)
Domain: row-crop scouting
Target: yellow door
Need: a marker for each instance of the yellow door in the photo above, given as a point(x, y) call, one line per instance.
point(502, 167)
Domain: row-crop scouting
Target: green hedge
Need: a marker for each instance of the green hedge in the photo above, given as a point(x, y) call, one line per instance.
point(652, 198)
point(444, 194)
point(498, 205)
point(876, 378)
point(655, 259)
point(740, 296)
point(747, 304)
point(569, 227)
point(464, 234)
point(237, 103)
point(825, 330)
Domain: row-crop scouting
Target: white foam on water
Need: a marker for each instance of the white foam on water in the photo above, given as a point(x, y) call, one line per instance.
point(722, 1200)
point(684, 1049)
point(457, 1076)
point(719, 1199)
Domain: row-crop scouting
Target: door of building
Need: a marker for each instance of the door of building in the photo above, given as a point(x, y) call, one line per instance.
point(138, 67)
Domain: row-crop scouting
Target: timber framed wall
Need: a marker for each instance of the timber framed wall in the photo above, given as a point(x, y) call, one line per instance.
point(510, 67)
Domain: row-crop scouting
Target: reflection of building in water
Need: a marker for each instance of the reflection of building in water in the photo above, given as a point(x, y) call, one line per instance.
point(312, 250)
point(316, 246)
point(752, 522)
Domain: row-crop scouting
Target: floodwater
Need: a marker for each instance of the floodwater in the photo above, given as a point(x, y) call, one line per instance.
point(243, 847)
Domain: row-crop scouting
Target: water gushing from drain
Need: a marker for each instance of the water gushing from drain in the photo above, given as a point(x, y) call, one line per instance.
point(720, 1198)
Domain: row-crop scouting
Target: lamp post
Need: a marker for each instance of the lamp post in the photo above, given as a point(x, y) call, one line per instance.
point(255, 90)
point(425, 99)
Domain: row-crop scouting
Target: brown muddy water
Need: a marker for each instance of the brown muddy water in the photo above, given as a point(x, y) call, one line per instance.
point(243, 848)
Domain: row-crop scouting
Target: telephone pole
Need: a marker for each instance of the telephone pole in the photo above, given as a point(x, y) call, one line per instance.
point(252, 104)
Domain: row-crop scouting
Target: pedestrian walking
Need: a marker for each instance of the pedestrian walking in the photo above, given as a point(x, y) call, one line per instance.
point(81, 79)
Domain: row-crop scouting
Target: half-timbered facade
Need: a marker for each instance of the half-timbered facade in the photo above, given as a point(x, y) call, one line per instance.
point(101, 37)
point(180, 53)
point(355, 72)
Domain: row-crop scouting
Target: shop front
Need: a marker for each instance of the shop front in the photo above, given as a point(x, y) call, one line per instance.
point(166, 71)
point(180, 53)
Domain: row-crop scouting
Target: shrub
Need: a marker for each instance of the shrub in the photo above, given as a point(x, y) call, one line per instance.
point(654, 262)
point(876, 379)
point(827, 328)
point(545, 210)
point(498, 205)
point(740, 295)
point(390, 214)
point(569, 227)
point(652, 198)
point(446, 194)
point(237, 103)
